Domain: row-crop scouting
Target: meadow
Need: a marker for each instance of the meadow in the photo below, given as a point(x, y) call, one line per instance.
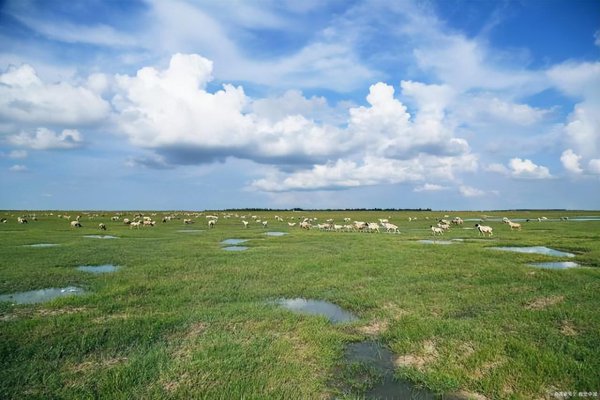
point(183, 318)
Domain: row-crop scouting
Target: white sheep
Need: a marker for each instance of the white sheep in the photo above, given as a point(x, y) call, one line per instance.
point(245, 223)
point(373, 227)
point(483, 229)
point(76, 224)
point(102, 226)
point(212, 223)
point(22, 220)
point(265, 223)
point(436, 230)
point(514, 225)
point(291, 224)
point(390, 227)
point(135, 224)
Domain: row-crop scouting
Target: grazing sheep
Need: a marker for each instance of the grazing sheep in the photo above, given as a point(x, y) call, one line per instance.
point(564, 218)
point(115, 218)
point(445, 227)
point(390, 227)
point(148, 222)
point(4, 220)
point(102, 226)
point(76, 224)
point(483, 229)
point(436, 230)
point(22, 220)
point(212, 223)
point(291, 224)
point(514, 225)
point(264, 224)
point(305, 225)
point(373, 227)
point(135, 224)
point(245, 223)
point(457, 221)
point(126, 221)
point(187, 221)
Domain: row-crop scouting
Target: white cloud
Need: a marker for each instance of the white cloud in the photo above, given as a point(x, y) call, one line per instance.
point(24, 98)
point(18, 168)
point(429, 187)
point(526, 169)
point(497, 168)
point(597, 38)
point(46, 139)
point(468, 191)
point(594, 166)
point(17, 154)
point(571, 161)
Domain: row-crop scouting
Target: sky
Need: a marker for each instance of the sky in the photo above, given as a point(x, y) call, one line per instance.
point(192, 105)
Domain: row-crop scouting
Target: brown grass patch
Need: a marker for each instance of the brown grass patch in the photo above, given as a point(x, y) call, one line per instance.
point(466, 395)
point(544, 302)
point(427, 355)
point(93, 364)
point(374, 328)
point(567, 328)
point(60, 311)
point(395, 310)
point(487, 367)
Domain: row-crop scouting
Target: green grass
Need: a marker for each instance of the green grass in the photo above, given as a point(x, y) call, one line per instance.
point(185, 319)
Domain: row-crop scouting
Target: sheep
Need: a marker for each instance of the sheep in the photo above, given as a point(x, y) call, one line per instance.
point(338, 228)
point(115, 218)
point(483, 229)
point(187, 221)
point(245, 223)
point(135, 224)
point(264, 224)
point(435, 230)
point(457, 221)
point(22, 220)
point(4, 220)
point(390, 227)
point(445, 227)
point(383, 221)
point(212, 223)
point(291, 224)
point(305, 225)
point(360, 225)
point(102, 226)
point(347, 220)
point(373, 227)
point(514, 225)
point(349, 228)
point(148, 222)
point(76, 224)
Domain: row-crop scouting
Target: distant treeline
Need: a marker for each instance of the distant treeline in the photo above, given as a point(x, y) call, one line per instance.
point(326, 209)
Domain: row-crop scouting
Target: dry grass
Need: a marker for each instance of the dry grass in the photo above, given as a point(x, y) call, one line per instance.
point(542, 303)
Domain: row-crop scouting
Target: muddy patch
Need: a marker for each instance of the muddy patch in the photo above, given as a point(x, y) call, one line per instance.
point(542, 303)
point(555, 265)
point(40, 296)
point(375, 362)
point(334, 313)
point(98, 269)
point(535, 250)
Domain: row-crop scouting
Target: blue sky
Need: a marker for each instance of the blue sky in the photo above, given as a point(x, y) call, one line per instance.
point(453, 104)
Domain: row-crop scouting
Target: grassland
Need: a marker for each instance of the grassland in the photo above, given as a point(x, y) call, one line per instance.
point(183, 318)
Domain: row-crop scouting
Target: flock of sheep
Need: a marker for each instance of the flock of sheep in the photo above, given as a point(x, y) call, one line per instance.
point(139, 220)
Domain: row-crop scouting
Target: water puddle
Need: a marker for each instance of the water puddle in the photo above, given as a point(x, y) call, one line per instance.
point(535, 250)
point(190, 230)
point(234, 241)
point(555, 265)
point(378, 362)
point(334, 313)
point(100, 236)
point(42, 245)
point(98, 269)
point(427, 241)
point(235, 248)
point(585, 218)
point(40, 296)
point(276, 233)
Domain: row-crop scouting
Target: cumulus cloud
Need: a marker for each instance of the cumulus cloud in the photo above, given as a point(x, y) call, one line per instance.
point(430, 187)
point(18, 168)
point(571, 161)
point(497, 168)
point(25, 98)
point(46, 139)
point(17, 154)
point(468, 191)
point(594, 166)
point(526, 169)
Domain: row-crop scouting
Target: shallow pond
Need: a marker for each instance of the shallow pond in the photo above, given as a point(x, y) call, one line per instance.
point(40, 296)
point(234, 241)
point(42, 245)
point(428, 241)
point(535, 250)
point(276, 233)
point(381, 360)
point(334, 313)
point(190, 230)
point(100, 236)
point(555, 265)
point(235, 248)
point(98, 269)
